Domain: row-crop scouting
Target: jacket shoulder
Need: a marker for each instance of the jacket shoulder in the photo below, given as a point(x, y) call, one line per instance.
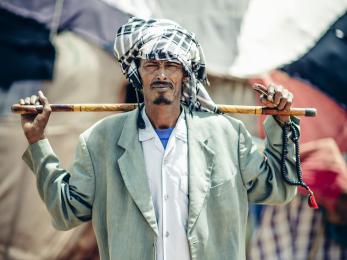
point(110, 125)
point(208, 120)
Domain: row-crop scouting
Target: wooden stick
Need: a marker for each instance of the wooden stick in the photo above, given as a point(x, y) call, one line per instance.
point(250, 110)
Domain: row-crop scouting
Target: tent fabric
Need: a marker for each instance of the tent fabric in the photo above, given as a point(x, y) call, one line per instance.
point(235, 91)
point(331, 119)
point(25, 50)
point(325, 64)
point(271, 39)
point(94, 20)
point(83, 73)
point(138, 8)
point(215, 23)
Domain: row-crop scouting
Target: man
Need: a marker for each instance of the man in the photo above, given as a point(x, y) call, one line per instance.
point(172, 179)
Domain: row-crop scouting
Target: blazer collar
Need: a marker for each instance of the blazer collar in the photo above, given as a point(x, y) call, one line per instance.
point(200, 164)
point(132, 167)
point(201, 157)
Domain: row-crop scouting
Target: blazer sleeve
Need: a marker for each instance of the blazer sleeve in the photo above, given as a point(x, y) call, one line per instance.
point(261, 171)
point(68, 195)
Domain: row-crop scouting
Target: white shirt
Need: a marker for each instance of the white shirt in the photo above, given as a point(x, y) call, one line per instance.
point(167, 172)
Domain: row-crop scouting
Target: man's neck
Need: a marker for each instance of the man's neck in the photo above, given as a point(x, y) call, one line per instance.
point(163, 116)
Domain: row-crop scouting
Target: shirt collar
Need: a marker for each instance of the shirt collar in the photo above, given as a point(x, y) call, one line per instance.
point(180, 130)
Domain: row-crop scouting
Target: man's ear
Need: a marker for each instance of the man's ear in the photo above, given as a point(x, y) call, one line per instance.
point(185, 78)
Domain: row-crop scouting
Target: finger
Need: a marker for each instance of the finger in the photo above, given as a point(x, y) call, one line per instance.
point(266, 102)
point(27, 101)
point(43, 98)
point(46, 106)
point(271, 92)
point(289, 102)
point(21, 101)
point(284, 100)
point(278, 95)
point(33, 99)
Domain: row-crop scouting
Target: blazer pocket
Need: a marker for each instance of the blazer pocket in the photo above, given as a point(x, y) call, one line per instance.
point(218, 189)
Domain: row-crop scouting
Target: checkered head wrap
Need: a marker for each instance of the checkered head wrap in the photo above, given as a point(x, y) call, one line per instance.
point(164, 40)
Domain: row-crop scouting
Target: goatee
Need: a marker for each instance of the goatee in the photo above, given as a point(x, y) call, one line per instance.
point(161, 100)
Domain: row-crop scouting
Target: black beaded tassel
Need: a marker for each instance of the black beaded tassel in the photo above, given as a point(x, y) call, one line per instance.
point(295, 137)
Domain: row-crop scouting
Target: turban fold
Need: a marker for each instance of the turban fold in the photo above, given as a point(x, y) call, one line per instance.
point(162, 39)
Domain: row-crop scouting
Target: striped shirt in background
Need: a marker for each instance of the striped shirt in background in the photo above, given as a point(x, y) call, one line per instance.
point(293, 232)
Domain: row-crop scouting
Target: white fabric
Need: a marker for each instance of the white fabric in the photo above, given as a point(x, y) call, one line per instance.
point(167, 171)
point(139, 8)
point(278, 32)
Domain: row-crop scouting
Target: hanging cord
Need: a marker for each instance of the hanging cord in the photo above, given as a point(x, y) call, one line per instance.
point(289, 126)
point(56, 18)
point(140, 122)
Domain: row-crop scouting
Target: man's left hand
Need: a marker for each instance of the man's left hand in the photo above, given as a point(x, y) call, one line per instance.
point(280, 98)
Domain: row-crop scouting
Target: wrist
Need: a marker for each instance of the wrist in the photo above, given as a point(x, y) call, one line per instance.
point(282, 120)
point(35, 139)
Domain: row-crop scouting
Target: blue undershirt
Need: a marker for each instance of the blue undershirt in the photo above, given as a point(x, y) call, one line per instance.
point(164, 135)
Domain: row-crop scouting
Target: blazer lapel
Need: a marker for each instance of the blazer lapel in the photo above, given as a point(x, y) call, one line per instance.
point(132, 167)
point(200, 163)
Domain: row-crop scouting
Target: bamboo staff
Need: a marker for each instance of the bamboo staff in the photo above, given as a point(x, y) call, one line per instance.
point(250, 110)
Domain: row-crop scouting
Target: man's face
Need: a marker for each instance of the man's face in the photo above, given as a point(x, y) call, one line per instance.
point(161, 81)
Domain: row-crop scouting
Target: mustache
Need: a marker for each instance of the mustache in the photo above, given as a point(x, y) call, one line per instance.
point(159, 82)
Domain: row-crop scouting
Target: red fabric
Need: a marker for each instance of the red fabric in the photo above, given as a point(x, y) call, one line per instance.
point(331, 119)
point(324, 171)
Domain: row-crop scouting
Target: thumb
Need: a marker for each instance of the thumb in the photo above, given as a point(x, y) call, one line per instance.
point(46, 106)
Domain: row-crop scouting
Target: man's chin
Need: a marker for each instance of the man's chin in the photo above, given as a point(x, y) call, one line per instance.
point(162, 101)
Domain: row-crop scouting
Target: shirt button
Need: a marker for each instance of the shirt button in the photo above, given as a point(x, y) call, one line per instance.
point(167, 234)
point(166, 197)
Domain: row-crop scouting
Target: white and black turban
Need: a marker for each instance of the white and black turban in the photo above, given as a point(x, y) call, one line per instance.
point(162, 39)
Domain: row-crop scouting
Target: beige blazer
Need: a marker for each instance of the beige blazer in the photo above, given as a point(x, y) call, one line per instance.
point(108, 185)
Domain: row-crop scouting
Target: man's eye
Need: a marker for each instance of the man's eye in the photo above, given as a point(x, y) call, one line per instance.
point(173, 65)
point(150, 65)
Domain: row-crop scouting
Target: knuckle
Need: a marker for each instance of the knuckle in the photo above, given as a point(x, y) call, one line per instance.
point(284, 99)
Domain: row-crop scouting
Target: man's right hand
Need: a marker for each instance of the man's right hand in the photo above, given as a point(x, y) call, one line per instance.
point(34, 125)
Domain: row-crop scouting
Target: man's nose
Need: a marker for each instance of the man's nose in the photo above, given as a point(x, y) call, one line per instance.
point(161, 74)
